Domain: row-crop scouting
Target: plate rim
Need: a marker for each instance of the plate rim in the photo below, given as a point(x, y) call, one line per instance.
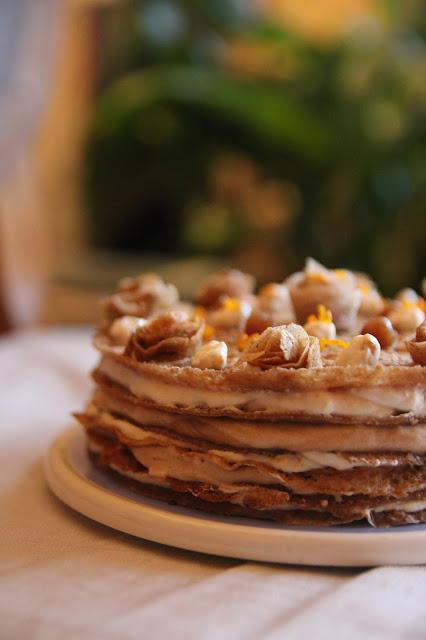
point(246, 540)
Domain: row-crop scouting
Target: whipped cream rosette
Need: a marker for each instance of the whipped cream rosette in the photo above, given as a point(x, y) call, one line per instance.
point(228, 283)
point(140, 297)
point(336, 289)
point(271, 308)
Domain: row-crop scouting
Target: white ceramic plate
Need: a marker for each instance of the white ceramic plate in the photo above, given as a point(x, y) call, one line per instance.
point(73, 478)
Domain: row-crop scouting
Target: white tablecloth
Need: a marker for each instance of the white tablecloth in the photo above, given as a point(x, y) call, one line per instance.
point(64, 576)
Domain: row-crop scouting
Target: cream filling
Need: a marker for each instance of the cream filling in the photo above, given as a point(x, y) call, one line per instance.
point(410, 506)
point(285, 462)
point(162, 462)
point(192, 466)
point(374, 403)
point(238, 495)
point(407, 399)
point(272, 435)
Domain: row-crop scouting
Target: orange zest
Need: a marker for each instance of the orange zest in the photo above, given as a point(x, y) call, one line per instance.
point(364, 287)
point(328, 342)
point(231, 304)
point(340, 273)
point(317, 277)
point(208, 332)
point(246, 339)
point(323, 315)
point(200, 312)
point(411, 304)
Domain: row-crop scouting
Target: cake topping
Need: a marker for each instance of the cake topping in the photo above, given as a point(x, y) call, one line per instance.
point(212, 355)
point(321, 325)
point(247, 339)
point(406, 316)
point(170, 336)
point(141, 297)
point(333, 342)
point(232, 314)
point(249, 425)
point(272, 307)
point(417, 347)
point(382, 329)
point(372, 303)
point(407, 295)
point(286, 346)
point(316, 272)
point(122, 328)
point(421, 332)
point(208, 332)
point(229, 283)
point(273, 295)
point(335, 289)
point(362, 350)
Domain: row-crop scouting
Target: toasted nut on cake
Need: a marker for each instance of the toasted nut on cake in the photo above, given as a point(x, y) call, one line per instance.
point(382, 329)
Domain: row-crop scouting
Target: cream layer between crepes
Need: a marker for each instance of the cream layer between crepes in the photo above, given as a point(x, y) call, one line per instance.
point(256, 434)
point(242, 494)
point(141, 440)
point(368, 402)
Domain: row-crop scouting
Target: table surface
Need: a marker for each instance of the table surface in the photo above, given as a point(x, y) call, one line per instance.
point(63, 576)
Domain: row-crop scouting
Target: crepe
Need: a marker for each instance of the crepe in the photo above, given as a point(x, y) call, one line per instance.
point(281, 424)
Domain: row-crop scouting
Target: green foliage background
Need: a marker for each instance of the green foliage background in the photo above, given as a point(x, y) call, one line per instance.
point(341, 127)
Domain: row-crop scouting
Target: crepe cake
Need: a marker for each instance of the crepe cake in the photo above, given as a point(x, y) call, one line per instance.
point(303, 403)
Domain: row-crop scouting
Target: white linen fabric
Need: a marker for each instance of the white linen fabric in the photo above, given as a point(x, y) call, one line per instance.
point(63, 576)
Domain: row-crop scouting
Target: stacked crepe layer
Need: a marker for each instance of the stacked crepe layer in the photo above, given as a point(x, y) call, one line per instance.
point(305, 445)
point(296, 467)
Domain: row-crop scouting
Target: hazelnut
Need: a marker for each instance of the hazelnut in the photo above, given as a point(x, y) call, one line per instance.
point(212, 355)
point(406, 317)
point(362, 350)
point(417, 347)
point(382, 329)
point(122, 328)
point(421, 332)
